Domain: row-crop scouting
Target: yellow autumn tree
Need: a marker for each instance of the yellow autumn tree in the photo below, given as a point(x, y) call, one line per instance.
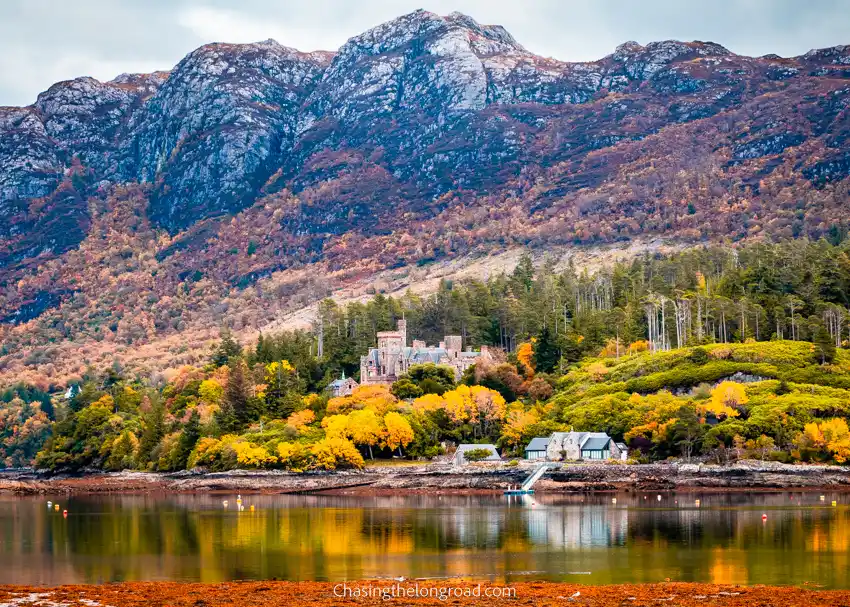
point(364, 428)
point(249, 455)
point(398, 431)
point(376, 397)
point(726, 399)
point(336, 426)
point(428, 403)
point(829, 438)
point(334, 452)
point(294, 457)
point(517, 422)
point(460, 406)
point(490, 406)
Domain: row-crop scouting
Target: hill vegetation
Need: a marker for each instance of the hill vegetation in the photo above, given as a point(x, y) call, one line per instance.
point(713, 352)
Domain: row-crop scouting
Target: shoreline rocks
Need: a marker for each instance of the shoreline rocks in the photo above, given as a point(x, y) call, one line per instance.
point(437, 477)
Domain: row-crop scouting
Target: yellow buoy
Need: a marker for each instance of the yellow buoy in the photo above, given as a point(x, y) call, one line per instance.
point(834, 503)
point(696, 503)
point(56, 507)
point(252, 507)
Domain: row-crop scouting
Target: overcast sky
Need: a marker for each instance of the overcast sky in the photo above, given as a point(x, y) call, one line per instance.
point(45, 41)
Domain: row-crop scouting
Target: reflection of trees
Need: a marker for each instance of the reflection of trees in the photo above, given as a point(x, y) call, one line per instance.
point(192, 538)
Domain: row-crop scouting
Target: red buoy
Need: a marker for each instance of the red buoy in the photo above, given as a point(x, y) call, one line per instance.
point(764, 517)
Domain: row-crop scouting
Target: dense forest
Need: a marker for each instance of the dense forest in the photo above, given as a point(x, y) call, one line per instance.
point(713, 352)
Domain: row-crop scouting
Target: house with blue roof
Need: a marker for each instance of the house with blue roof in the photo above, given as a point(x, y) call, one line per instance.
point(575, 446)
point(343, 386)
point(536, 449)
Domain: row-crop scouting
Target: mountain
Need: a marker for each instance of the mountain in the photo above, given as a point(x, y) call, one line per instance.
point(253, 179)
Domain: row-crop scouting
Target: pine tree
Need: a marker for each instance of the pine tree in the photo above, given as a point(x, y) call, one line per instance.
point(824, 344)
point(153, 423)
point(190, 435)
point(227, 349)
point(546, 354)
point(236, 406)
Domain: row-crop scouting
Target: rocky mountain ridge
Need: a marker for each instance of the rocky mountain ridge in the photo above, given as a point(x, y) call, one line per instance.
point(424, 138)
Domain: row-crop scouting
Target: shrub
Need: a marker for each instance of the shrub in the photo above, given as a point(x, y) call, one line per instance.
point(207, 453)
point(332, 453)
point(477, 455)
point(249, 455)
point(294, 457)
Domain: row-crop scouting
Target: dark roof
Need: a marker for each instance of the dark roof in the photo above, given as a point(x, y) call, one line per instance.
point(596, 443)
point(538, 444)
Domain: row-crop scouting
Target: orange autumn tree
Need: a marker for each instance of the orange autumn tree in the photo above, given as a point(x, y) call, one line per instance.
point(301, 419)
point(525, 355)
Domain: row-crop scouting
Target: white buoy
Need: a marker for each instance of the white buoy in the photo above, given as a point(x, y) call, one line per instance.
point(659, 498)
point(696, 503)
point(49, 505)
point(613, 500)
point(822, 498)
point(224, 503)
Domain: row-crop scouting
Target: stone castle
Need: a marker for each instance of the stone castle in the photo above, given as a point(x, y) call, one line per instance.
point(393, 357)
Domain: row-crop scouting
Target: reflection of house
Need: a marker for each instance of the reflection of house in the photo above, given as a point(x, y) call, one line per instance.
point(577, 445)
point(393, 357)
point(343, 386)
point(536, 448)
point(460, 459)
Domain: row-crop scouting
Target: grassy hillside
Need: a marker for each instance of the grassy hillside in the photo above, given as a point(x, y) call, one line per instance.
point(667, 403)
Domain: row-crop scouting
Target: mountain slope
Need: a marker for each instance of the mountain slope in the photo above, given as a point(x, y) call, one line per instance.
point(253, 179)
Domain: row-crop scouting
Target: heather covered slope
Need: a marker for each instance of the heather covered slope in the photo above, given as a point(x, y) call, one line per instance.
point(158, 206)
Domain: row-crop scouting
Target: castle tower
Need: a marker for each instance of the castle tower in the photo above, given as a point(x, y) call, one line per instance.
point(402, 329)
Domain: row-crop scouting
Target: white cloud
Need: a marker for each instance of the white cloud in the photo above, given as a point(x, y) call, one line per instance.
point(44, 41)
point(223, 25)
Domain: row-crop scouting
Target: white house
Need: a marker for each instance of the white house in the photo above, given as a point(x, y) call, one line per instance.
point(582, 445)
point(460, 460)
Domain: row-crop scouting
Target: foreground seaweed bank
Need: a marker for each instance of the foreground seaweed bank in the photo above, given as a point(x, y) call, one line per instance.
point(246, 594)
point(434, 478)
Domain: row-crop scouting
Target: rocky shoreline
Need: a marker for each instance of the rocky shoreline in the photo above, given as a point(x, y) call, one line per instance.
point(442, 478)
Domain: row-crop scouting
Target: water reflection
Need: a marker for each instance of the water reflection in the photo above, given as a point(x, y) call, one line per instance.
point(571, 537)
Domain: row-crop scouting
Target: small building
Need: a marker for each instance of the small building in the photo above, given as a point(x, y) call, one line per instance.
point(343, 386)
point(536, 449)
point(582, 445)
point(460, 460)
point(624, 451)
